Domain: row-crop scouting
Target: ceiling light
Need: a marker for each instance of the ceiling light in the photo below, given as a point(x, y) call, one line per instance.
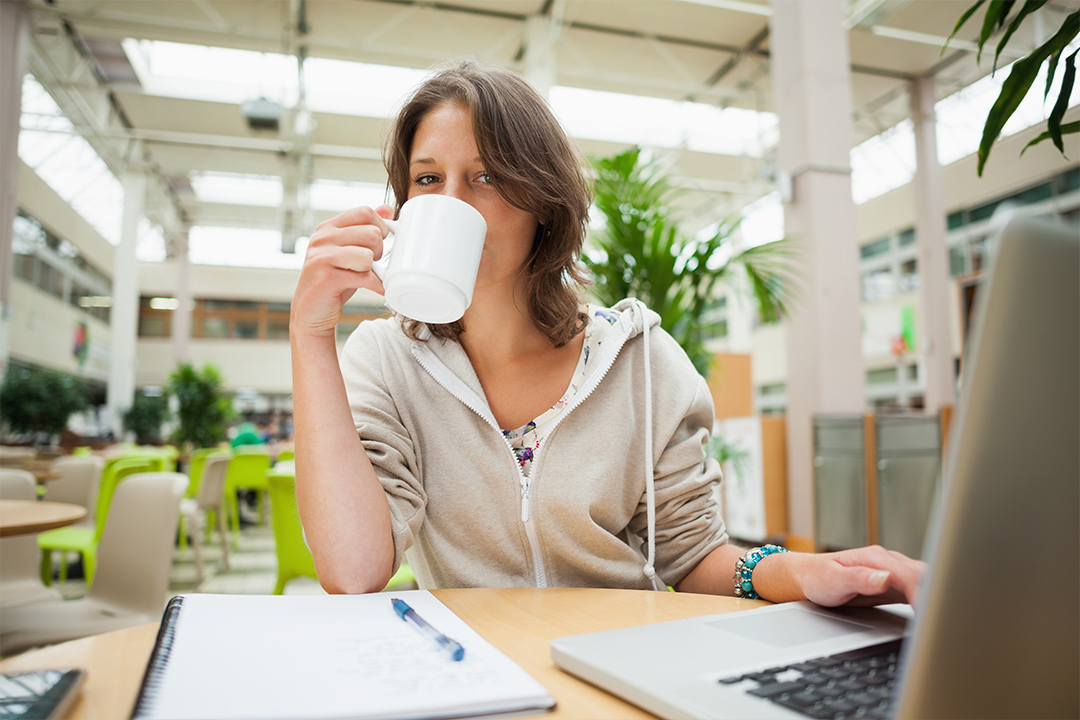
point(164, 303)
point(262, 114)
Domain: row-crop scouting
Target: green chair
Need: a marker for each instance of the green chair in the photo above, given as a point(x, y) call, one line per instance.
point(293, 556)
point(286, 455)
point(84, 540)
point(247, 471)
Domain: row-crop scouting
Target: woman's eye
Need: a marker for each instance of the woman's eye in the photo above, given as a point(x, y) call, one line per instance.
point(485, 179)
point(424, 180)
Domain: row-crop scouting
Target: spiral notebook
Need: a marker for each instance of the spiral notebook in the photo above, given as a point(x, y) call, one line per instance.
point(316, 657)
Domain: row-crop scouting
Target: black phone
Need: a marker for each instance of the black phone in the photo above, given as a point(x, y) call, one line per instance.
point(39, 694)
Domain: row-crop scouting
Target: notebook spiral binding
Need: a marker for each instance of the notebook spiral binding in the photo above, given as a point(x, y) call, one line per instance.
point(155, 668)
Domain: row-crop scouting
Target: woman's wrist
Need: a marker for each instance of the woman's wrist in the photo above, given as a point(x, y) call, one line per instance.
point(778, 577)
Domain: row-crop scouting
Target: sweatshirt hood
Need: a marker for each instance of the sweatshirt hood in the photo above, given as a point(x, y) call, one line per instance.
point(633, 313)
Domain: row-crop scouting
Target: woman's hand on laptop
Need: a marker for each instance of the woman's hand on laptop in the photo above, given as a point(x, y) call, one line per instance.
point(863, 576)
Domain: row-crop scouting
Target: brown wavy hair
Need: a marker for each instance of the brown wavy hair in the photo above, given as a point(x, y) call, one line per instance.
point(533, 167)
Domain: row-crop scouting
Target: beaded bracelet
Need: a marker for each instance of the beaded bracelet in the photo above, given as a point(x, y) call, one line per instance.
point(744, 569)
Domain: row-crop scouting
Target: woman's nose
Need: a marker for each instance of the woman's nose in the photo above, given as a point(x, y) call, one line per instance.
point(457, 189)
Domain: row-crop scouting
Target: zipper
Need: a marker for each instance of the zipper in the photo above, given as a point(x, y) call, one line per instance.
point(456, 387)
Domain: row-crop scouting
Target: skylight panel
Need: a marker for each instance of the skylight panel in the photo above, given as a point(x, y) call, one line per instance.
point(151, 245)
point(238, 189)
point(338, 196)
point(217, 74)
point(65, 161)
point(242, 247)
point(763, 221)
point(352, 88)
point(883, 163)
point(656, 122)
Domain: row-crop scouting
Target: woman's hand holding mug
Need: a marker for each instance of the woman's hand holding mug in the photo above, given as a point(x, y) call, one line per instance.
point(338, 263)
point(433, 259)
point(430, 275)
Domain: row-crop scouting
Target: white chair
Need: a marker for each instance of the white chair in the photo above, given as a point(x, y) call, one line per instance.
point(15, 455)
point(134, 563)
point(80, 478)
point(211, 496)
point(20, 580)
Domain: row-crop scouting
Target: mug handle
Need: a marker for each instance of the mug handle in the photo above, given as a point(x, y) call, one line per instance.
point(380, 266)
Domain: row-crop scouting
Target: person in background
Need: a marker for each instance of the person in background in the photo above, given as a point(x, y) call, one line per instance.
point(246, 434)
point(539, 440)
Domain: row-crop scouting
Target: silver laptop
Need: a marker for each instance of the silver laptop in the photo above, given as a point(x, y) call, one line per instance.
point(998, 628)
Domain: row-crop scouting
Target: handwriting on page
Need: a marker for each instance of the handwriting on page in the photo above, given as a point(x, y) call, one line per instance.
point(408, 665)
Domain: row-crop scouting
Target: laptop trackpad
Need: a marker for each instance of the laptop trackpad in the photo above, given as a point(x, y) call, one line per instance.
point(787, 629)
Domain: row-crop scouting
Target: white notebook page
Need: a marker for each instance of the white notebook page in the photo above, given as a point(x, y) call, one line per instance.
point(330, 656)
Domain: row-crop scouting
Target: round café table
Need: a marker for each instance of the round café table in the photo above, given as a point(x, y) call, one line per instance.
point(27, 517)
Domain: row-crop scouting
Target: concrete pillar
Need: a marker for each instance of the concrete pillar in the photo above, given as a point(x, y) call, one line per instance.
point(14, 39)
point(934, 337)
point(812, 87)
point(540, 66)
point(124, 316)
point(181, 318)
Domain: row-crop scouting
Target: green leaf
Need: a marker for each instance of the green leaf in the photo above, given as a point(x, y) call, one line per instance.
point(1053, 123)
point(1066, 129)
point(1019, 82)
point(995, 14)
point(959, 23)
point(1051, 70)
point(1029, 7)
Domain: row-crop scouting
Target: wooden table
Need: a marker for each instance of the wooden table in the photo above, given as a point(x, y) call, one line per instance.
point(42, 470)
point(25, 517)
point(518, 621)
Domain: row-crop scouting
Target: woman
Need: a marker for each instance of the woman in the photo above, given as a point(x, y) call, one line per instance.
point(511, 447)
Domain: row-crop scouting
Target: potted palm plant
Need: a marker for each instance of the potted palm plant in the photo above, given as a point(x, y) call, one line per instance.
point(641, 252)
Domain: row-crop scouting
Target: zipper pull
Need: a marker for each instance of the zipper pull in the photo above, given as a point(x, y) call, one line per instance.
point(525, 502)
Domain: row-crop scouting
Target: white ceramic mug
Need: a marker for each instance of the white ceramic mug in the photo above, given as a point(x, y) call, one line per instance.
point(429, 270)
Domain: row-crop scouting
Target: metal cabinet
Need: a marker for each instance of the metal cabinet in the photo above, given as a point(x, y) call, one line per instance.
point(840, 481)
point(908, 479)
point(875, 480)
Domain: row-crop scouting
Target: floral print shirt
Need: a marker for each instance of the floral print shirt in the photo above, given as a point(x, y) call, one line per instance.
point(527, 440)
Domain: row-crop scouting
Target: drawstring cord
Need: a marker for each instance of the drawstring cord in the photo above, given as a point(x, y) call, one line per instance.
point(650, 487)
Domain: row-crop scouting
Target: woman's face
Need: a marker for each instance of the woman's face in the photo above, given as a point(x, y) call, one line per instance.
point(445, 161)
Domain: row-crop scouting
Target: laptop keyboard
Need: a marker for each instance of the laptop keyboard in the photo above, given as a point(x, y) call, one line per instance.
point(854, 684)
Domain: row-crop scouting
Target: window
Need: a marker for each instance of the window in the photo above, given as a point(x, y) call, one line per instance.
point(883, 376)
point(878, 284)
point(907, 237)
point(979, 258)
point(55, 266)
point(154, 327)
point(909, 276)
point(213, 327)
point(878, 247)
point(957, 261)
point(247, 329)
point(235, 319)
point(277, 330)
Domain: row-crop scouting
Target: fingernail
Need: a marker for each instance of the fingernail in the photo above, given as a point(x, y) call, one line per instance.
point(879, 578)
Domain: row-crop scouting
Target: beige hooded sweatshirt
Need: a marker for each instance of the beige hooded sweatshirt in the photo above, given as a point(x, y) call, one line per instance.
point(589, 515)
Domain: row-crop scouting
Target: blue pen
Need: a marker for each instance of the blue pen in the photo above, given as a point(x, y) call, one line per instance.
point(409, 615)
